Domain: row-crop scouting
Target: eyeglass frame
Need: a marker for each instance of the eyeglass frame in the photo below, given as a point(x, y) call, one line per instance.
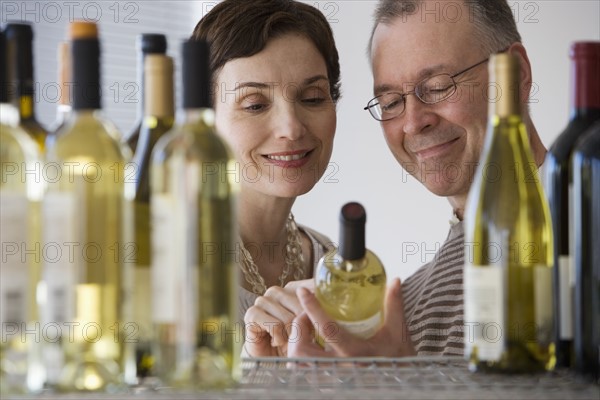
point(404, 95)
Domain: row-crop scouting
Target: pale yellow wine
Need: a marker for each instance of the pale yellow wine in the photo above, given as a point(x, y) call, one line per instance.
point(197, 338)
point(21, 190)
point(87, 215)
point(508, 244)
point(350, 281)
point(158, 120)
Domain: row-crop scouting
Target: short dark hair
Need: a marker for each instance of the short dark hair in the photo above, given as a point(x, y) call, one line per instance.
point(242, 28)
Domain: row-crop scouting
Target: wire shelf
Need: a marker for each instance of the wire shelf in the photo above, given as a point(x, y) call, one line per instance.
point(372, 378)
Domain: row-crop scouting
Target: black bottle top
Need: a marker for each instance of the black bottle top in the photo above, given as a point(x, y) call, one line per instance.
point(3, 71)
point(196, 74)
point(153, 43)
point(353, 218)
point(20, 35)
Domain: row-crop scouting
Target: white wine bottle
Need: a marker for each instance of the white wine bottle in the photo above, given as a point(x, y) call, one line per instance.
point(19, 38)
point(88, 217)
point(194, 276)
point(350, 280)
point(21, 190)
point(158, 120)
point(508, 243)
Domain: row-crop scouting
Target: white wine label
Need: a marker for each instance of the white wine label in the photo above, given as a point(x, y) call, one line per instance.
point(365, 328)
point(62, 261)
point(168, 253)
point(17, 255)
point(565, 270)
point(484, 311)
point(542, 286)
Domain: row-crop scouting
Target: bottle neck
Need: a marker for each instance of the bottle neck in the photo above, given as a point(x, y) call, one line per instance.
point(26, 108)
point(504, 75)
point(158, 89)
point(194, 115)
point(86, 74)
point(585, 84)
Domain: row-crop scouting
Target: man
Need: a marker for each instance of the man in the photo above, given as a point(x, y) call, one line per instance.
point(415, 51)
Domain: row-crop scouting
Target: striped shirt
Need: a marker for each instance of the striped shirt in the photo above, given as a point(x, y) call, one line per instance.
point(433, 299)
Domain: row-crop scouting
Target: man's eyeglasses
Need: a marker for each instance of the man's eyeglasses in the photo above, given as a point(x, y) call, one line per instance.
point(430, 90)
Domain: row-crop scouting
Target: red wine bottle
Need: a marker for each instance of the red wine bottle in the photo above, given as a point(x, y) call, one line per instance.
point(585, 109)
point(586, 210)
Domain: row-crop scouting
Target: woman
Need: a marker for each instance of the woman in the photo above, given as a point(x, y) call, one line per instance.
point(276, 75)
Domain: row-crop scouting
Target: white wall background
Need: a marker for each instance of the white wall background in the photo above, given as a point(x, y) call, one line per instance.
point(406, 224)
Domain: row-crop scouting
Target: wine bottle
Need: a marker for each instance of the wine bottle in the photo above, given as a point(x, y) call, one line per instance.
point(158, 120)
point(147, 43)
point(21, 190)
point(19, 38)
point(585, 109)
point(508, 243)
point(586, 233)
point(350, 280)
point(194, 277)
point(87, 217)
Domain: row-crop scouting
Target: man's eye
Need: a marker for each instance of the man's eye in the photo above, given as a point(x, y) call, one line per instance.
point(314, 100)
point(254, 107)
point(391, 105)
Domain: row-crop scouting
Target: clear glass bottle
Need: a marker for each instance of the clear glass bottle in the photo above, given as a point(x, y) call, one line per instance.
point(350, 280)
point(21, 190)
point(87, 214)
point(194, 276)
point(508, 243)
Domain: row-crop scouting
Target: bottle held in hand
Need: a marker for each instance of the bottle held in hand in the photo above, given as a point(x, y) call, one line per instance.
point(350, 280)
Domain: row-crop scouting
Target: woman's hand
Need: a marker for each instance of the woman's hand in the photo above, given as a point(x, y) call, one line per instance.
point(391, 340)
point(269, 321)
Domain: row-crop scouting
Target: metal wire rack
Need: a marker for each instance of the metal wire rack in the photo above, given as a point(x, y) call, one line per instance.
point(373, 378)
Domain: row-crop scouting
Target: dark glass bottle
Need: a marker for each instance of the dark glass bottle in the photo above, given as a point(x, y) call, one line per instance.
point(19, 38)
point(147, 43)
point(585, 109)
point(586, 212)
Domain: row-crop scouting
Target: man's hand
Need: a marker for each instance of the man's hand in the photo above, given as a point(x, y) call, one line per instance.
point(391, 340)
point(268, 322)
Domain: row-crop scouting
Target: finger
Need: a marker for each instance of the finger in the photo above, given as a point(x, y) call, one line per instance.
point(257, 342)
point(285, 298)
point(259, 322)
point(335, 336)
point(394, 319)
point(302, 339)
point(294, 285)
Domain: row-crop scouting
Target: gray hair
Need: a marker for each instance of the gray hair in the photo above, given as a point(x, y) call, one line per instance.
point(493, 20)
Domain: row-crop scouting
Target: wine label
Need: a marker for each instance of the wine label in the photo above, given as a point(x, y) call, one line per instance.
point(62, 259)
point(364, 328)
point(542, 286)
point(484, 299)
point(168, 253)
point(565, 271)
point(16, 258)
